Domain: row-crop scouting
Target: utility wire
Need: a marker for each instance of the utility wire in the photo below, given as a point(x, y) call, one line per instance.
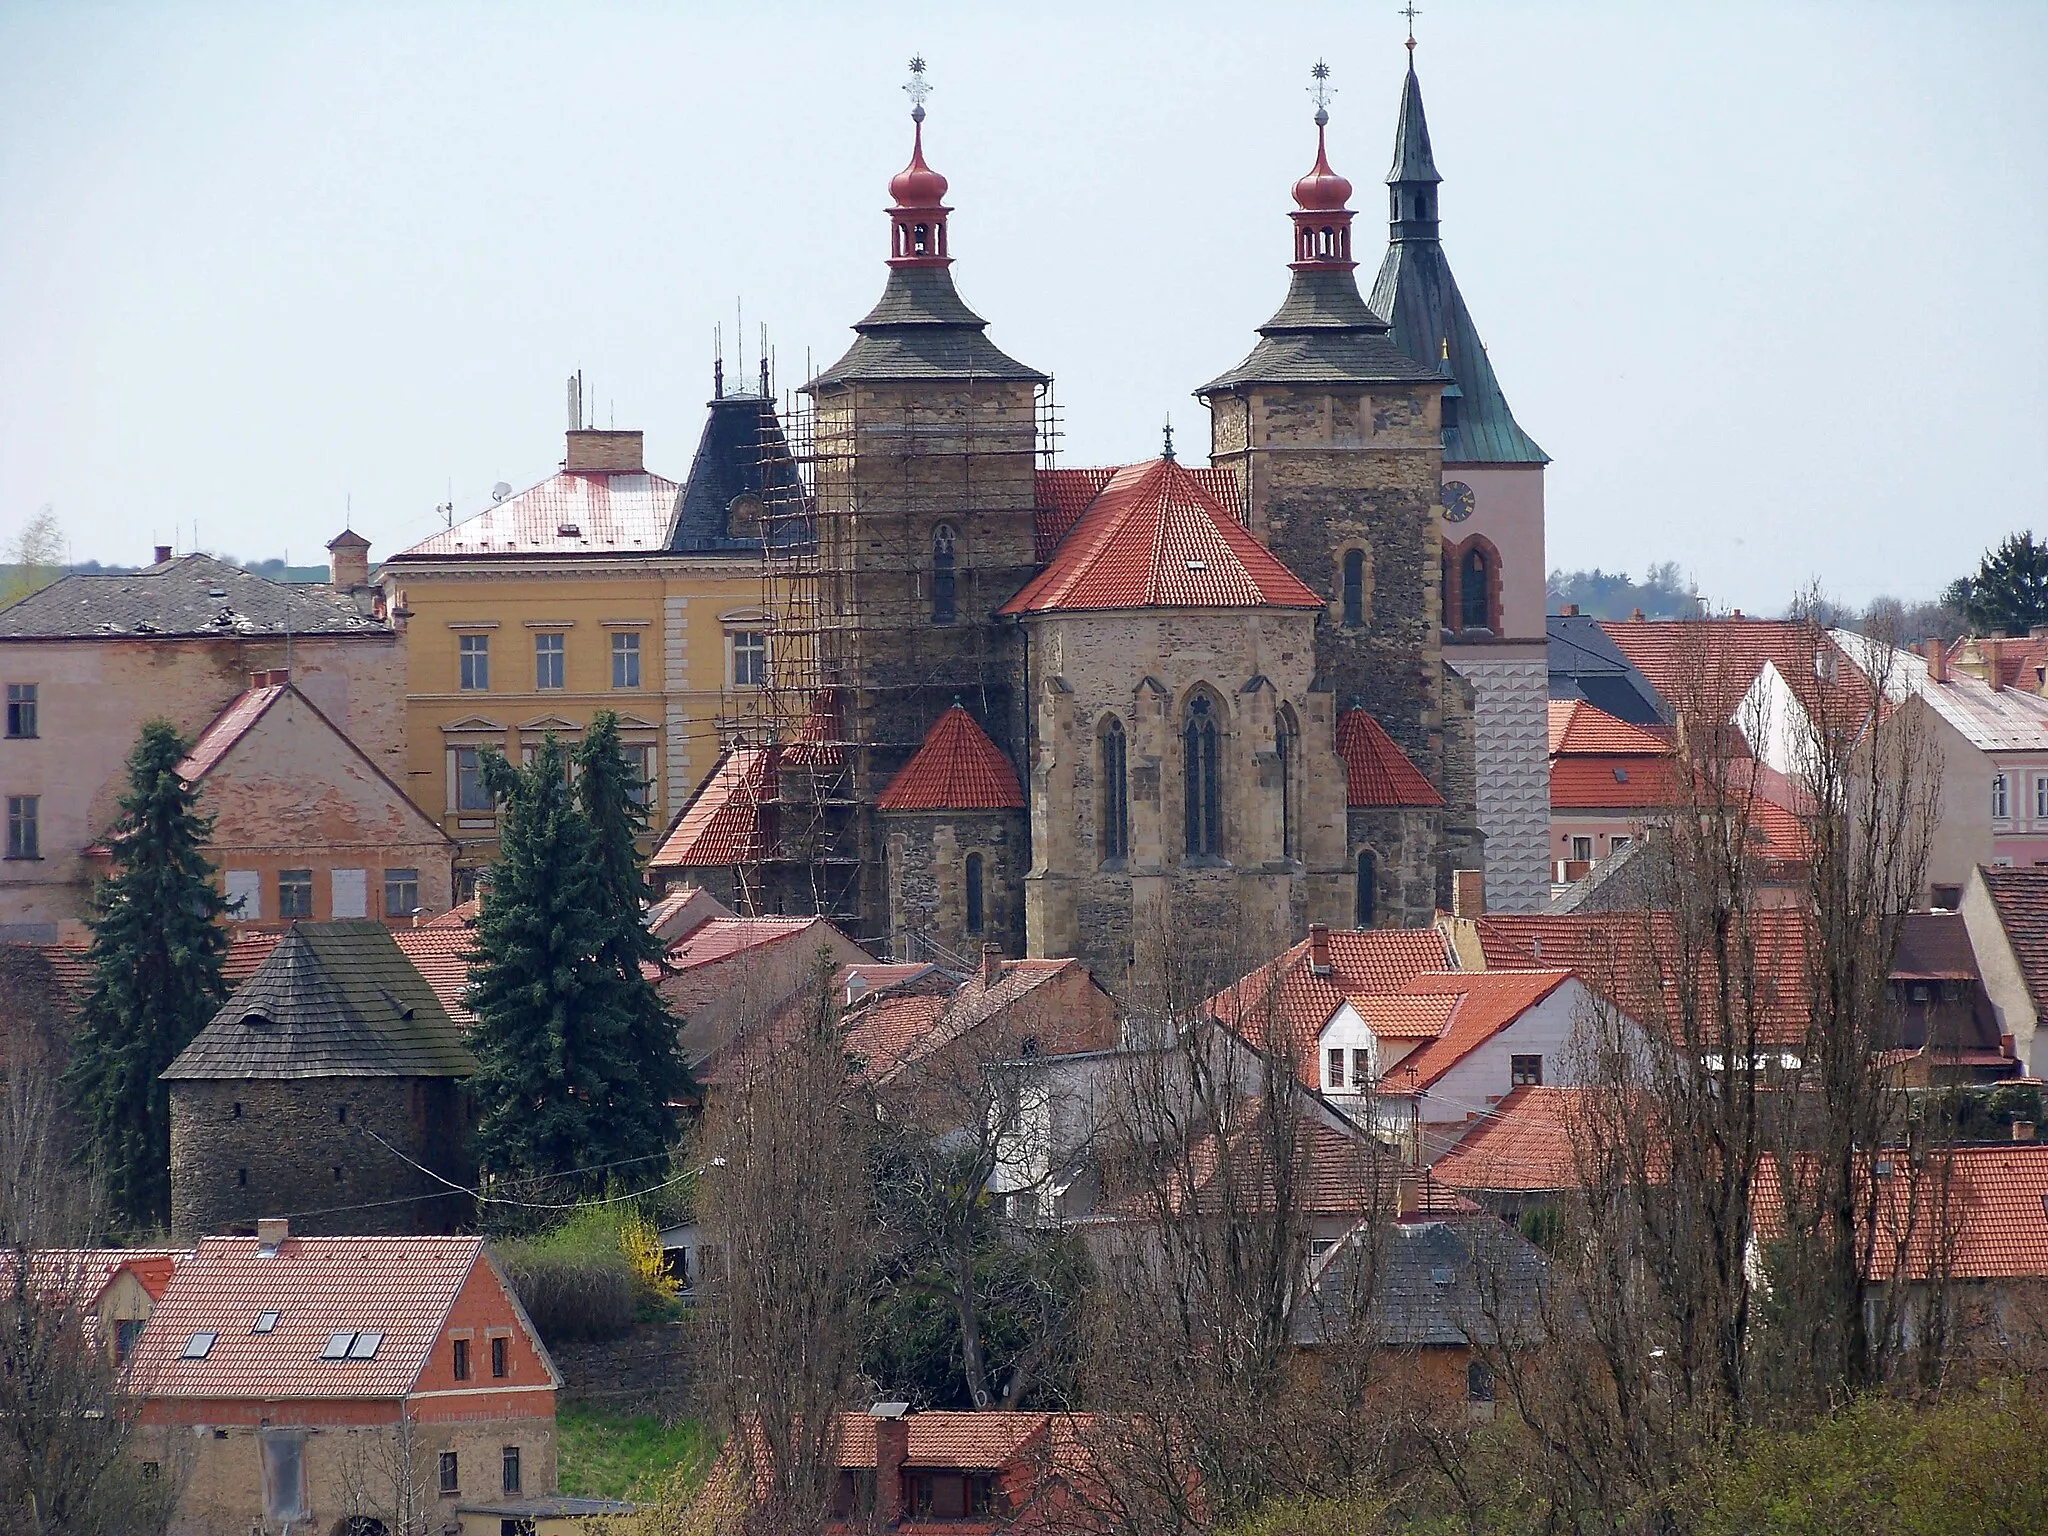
point(539, 1205)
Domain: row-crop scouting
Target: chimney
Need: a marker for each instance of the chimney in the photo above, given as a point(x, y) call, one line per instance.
point(1468, 893)
point(275, 677)
point(271, 1231)
point(1568, 611)
point(1992, 675)
point(991, 965)
point(1937, 660)
point(163, 553)
point(598, 452)
point(1635, 615)
point(2023, 1130)
point(348, 561)
point(1319, 949)
point(892, 1449)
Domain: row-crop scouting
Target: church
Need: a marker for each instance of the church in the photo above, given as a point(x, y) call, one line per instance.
point(1077, 711)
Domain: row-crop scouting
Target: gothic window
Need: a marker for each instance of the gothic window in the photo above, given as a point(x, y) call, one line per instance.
point(943, 540)
point(974, 894)
point(1116, 805)
point(1287, 747)
point(1354, 588)
point(1367, 901)
point(1475, 574)
point(1201, 781)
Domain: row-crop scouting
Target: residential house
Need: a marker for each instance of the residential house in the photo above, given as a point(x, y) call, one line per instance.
point(87, 660)
point(113, 1290)
point(1585, 664)
point(332, 1086)
point(604, 586)
point(1609, 782)
point(305, 825)
point(1523, 1153)
point(360, 1384)
point(2006, 914)
point(732, 972)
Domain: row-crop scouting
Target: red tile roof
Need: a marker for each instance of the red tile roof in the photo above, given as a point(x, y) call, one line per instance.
point(583, 512)
point(79, 1275)
point(2020, 897)
point(1285, 1003)
point(2018, 658)
point(462, 915)
point(957, 769)
point(1376, 771)
point(1156, 538)
point(1064, 494)
point(1404, 1016)
point(400, 1287)
point(977, 1442)
point(1709, 664)
point(1612, 783)
point(1488, 1002)
point(724, 937)
point(1577, 727)
point(228, 727)
point(817, 741)
point(1524, 1142)
point(722, 824)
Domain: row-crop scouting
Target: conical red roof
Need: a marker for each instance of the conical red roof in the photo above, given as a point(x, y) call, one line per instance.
point(1376, 771)
point(957, 769)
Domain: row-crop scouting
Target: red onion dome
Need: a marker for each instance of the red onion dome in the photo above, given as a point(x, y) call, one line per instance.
point(1322, 190)
point(917, 185)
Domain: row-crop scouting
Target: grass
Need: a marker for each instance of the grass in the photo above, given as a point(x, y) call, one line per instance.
point(627, 1456)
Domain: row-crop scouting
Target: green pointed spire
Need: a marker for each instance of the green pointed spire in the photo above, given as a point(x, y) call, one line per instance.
point(1412, 159)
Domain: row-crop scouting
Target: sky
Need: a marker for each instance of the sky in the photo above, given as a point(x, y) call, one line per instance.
point(1768, 282)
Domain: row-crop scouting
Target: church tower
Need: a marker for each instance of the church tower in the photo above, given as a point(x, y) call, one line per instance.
point(924, 440)
point(1491, 519)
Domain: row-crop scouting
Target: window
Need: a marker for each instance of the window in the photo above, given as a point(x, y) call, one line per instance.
point(475, 652)
point(451, 1473)
point(1354, 588)
point(1367, 898)
point(2041, 797)
point(974, 893)
point(126, 1331)
point(1116, 804)
point(266, 1322)
point(1333, 1070)
point(1361, 1067)
point(365, 1346)
point(1582, 850)
point(640, 764)
point(943, 540)
point(24, 827)
point(1474, 573)
point(510, 1459)
point(21, 710)
point(1525, 1071)
point(401, 892)
point(349, 893)
point(294, 893)
point(470, 794)
point(501, 1365)
point(1478, 1383)
point(198, 1347)
point(1617, 842)
point(749, 658)
point(461, 1359)
point(549, 654)
point(1947, 898)
point(244, 894)
point(1999, 797)
point(1203, 794)
point(625, 660)
point(338, 1346)
point(1287, 748)
point(284, 1476)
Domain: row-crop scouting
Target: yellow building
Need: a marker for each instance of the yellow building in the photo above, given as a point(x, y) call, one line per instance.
point(602, 587)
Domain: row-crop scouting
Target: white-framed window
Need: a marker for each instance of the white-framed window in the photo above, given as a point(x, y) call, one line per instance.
point(747, 658)
point(1619, 841)
point(1361, 1067)
point(625, 659)
point(2041, 797)
point(550, 648)
point(474, 652)
point(24, 827)
point(401, 892)
point(1582, 850)
point(1333, 1068)
point(21, 710)
point(639, 757)
point(245, 894)
point(294, 893)
point(350, 892)
point(2000, 797)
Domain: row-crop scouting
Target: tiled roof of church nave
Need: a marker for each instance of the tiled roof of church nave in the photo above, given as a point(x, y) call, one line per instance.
point(956, 769)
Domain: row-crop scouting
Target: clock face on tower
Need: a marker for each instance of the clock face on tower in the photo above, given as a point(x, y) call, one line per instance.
point(1457, 501)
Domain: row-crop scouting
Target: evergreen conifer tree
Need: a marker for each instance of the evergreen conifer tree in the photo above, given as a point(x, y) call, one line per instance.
point(2009, 593)
point(613, 797)
point(157, 947)
point(555, 1088)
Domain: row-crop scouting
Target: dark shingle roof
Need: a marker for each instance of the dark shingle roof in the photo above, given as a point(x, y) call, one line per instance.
point(1585, 663)
point(922, 330)
point(743, 452)
point(190, 596)
point(1450, 1282)
point(1324, 333)
point(331, 1000)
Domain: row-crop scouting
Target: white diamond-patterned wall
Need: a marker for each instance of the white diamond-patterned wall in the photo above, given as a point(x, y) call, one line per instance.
point(1513, 753)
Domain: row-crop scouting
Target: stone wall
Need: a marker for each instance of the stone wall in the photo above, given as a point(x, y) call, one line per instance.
point(1407, 846)
point(927, 854)
point(246, 1149)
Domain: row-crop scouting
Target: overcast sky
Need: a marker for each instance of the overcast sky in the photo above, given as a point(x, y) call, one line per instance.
point(1769, 283)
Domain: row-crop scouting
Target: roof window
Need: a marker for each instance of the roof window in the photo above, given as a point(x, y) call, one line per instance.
point(569, 530)
point(266, 1322)
point(352, 1346)
point(198, 1346)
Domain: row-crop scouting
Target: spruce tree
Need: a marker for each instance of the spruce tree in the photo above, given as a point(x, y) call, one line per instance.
point(2009, 593)
point(555, 1088)
point(157, 947)
point(613, 798)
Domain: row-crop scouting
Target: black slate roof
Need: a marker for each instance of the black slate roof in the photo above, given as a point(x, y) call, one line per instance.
point(743, 452)
point(1324, 333)
point(331, 1000)
point(1452, 1282)
point(1413, 160)
point(1586, 664)
point(921, 329)
point(193, 595)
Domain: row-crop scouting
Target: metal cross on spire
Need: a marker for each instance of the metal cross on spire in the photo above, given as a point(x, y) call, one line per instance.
point(917, 87)
point(1411, 13)
point(1321, 92)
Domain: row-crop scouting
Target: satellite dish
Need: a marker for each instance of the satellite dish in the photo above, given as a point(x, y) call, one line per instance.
point(501, 490)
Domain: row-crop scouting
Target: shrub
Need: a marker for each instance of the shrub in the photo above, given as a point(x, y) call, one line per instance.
point(578, 1282)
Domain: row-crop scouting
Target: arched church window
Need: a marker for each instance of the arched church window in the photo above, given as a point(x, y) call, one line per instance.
point(1200, 779)
point(1474, 580)
point(974, 894)
point(1354, 588)
point(1366, 903)
point(943, 540)
point(1287, 748)
point(1116, 805)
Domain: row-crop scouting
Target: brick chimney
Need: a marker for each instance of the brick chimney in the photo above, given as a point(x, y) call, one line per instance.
point(2023, 1130)
point(1319, 949)
point(1468, 893)
point(1993, 675)
point(991, 965)
point(600, 452)
point(1937, 659)
point(163, 553)
point(1568, 611)
point(892, 1449)
point(348, 561)
point(271, 1231)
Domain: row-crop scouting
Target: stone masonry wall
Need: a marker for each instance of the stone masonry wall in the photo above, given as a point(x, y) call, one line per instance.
point(927, 870)
point(1407, 850)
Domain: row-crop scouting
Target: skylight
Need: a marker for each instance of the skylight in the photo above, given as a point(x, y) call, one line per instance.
point(365, 1346)
point(198, 1346)
point(352, 1346)
point(337, 1346)
point(265, 1321)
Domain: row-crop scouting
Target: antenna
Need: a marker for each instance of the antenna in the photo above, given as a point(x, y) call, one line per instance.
point(575, 401)
point(717, 361)
point(739, 335)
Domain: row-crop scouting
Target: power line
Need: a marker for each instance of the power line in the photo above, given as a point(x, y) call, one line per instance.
point(537, 1205)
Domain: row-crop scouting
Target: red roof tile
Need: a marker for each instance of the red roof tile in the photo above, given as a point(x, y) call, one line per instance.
point(1064, 494)
point(441, 956)
point(1376, 771)
point(1155, 537)
point(1524, 1142)
point(462, 915)
point(1488, 1002)
point(580, 512)
point(722, 824)
point(1577, 727)
point(980, 1442)
point(1612, 783)
point(228, 727)
point(2020, 897)
point(1403, 1016)
point(1709, 664)
point(723, 937)
point(1285, 1003)
point(817, 742)
point(2018, 658)
point(957, 769)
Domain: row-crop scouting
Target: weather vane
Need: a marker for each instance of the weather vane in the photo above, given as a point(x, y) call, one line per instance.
point(1411, 13)
point(1167, 452)
point(1321, 92)
point(917, 87)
